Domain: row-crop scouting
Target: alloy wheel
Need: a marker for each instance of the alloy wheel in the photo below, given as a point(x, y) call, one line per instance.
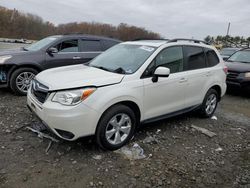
point(118, 128)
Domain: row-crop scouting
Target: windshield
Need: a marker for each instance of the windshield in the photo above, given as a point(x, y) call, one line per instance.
point(241, 56)
point(123, 58)
point(227, 52)
point(40, 44)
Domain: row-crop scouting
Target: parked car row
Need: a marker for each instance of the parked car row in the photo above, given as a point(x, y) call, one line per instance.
point(109, 94)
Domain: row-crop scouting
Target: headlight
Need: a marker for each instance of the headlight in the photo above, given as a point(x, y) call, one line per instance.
point(4, 58)
point(247, 75)
point(72, 97)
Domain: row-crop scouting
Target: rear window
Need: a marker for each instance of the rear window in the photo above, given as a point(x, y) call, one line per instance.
point(195, 57)
point(212, 58)
point(91, 46)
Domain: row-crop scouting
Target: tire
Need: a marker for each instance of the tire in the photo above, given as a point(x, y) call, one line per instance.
point(205, 110)
point(107, 135)
point(26, 73)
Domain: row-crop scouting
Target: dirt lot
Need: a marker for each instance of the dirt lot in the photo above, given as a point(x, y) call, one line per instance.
point(178, 156)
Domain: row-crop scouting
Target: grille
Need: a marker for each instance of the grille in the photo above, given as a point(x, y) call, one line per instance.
point(232, 75)
point(39, 90)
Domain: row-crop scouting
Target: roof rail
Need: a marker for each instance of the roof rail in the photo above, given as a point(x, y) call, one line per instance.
point(192, 40)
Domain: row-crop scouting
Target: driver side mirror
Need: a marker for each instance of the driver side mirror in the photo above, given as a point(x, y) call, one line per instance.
point(52, 51)
point(160, 72)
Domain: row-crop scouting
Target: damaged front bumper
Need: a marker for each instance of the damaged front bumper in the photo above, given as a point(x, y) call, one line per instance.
point(5, 71)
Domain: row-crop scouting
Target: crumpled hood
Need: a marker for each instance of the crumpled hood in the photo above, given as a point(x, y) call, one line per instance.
point(238, 67)
point(77, 76)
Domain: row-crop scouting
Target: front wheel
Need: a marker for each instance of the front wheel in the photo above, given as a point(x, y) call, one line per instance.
point(209, 104)
point(116, 127)
point(20, 80)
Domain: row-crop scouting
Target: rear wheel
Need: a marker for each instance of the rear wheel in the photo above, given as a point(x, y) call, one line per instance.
point(20, 80)
point(209, 104)
point(116, 127)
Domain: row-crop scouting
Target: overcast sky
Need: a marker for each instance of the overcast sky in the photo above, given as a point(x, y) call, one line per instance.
point(179, 18)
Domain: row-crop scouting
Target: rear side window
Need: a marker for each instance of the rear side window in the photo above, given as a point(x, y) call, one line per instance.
point(91, 46)
point(195, 57)
point(108, 43)
point(212, 58)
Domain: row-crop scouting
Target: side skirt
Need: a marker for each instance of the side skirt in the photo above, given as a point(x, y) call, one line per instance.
point(172, 114)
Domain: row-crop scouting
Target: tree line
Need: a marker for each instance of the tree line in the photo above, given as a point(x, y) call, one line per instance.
point(15, 24)
point(229, 41)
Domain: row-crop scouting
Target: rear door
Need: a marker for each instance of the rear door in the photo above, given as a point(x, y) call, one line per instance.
point(68, 54)
point(89, 49)
point(197, 73)
point(168, 94)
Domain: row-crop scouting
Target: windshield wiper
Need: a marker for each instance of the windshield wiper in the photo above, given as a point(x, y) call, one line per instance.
point(103, 68)
point(120, 70)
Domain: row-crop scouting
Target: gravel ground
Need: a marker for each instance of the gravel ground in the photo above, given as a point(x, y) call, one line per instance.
point(176, 155)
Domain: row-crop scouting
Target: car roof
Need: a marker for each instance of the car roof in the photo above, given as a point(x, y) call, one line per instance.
point(86, 37)
point(160, 42)
point(153, 43)
point(91, 37)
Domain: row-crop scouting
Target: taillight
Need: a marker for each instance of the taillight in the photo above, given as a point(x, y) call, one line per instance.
point(225, 69)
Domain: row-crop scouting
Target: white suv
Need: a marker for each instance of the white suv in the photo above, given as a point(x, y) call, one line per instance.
point(131, 83)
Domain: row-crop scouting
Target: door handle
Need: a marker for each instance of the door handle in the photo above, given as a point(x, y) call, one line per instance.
point(76, 57)
point(183, 80)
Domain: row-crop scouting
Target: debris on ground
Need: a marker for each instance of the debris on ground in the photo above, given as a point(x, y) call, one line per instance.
point(42, 135)
point(49, 145)
point(238, 129)
point(214, 118)
point(133, 153)
point(97, 157)
point(150, 139)
point(219, 149)
point(158, 131)
point(204, 131)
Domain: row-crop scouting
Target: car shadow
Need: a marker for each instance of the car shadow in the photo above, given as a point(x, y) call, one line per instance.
point(238, 92)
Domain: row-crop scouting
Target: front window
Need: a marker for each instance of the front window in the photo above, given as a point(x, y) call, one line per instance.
point(67, 46)
point(240, 56)
point(123, 58)
point(41, 44)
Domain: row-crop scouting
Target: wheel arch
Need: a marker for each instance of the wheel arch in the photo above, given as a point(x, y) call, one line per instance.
point(218, 89)
point(16, 67)
point(129, 103)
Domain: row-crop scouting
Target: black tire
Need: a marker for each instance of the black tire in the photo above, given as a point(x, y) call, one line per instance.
point(14, 76)
point(203, 112)
point(103, 124)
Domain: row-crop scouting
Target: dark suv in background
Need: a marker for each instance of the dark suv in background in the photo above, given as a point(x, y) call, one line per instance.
point(239, 70)
point(18, 67)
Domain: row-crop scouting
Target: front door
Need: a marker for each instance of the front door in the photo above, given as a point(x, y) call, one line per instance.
point(167, 95)
point(68, 54)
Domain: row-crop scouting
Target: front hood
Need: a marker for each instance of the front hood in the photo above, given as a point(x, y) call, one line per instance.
point(77, 76)
point(13, 52)
point(238, 67)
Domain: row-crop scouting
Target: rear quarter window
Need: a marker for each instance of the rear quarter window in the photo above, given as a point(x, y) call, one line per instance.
point(91, 46)
point(212, 58)
point(194, 57)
